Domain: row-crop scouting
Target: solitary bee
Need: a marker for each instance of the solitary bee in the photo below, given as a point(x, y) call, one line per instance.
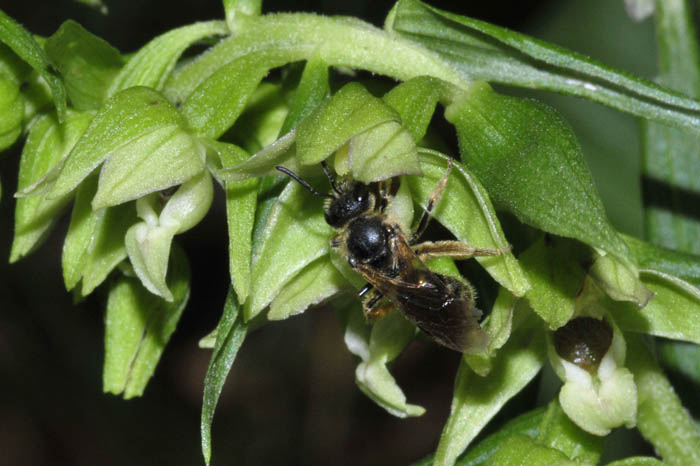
point(376, 247)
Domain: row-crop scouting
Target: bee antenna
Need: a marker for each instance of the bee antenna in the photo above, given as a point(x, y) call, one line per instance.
point(298, 179)
point(330, 176)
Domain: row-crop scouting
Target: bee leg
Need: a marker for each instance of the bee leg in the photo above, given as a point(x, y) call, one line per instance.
point(433, 199)
point(373, 308)
point(453, 249)
point(365, 289)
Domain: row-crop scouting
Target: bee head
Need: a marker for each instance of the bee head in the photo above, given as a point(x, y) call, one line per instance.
point(349, 199)
point(352, 200)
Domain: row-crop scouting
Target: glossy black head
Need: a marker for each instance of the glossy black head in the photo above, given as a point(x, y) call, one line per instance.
point(368, 240)
point(353, 200)
point(349, 200)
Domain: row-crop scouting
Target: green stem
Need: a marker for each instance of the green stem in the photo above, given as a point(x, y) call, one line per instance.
point(337, 41)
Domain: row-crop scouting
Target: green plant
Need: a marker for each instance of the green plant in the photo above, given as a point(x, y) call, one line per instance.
point(164, 129)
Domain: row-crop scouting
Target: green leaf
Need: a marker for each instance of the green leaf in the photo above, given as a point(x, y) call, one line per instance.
point(230, 334)
point(138, 325)
point(312, 89)
point(163, 158)
point(128, 116)
point(525, 424)
point(11, 112)
point(294, 235)
point(23, 44)
point(555, 271)
point(47, 144)
point(673, 312)
point(151, 66)
point(662, 419)
point(214, 105)
point(94, 244)
point(87, 63)
point(382, 152)
point(378, 347)
point(466, 211)
point(670, 156)
point(558, 432)
point(477, 399)
point(518, 449)
point(528, 159)
point(314, 283)
point(482, 51)
point(263, 162)
point(679, 264)
point(683, 358)
point(351, 111)
point(241, 204)
point(415, 101)
point(638, 461)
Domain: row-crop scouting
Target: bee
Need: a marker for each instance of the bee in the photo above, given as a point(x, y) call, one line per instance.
point(393, 261)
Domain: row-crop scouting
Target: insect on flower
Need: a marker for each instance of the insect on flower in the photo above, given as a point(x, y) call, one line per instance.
point(393, 262)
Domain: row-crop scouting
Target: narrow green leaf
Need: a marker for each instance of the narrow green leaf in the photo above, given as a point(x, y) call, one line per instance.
point(673, 312)
point(214, 105)
point(525, 424)
point(47, 144)
point(518, 449)
point(528, 159)
point(683, 358)
point(466, 211)
point(312, 89)
point(638, 461)
point(477, 400)
point(662, 419)
point(241, 204)
point(670, 165)
point(555, 271)
point(129, 115)
point(415, 101)
point(679, 264)
point(382, 152)
point(482, 51)
point(11, 111)
point(295, 234)
point(151, 66)
point(314, 283)
point(558, 432)
point(138, 325)
point(230, 334)
point(86, 62)
point(263, 162)
point(260, 123)
point(24, 45)
point(351, 111)
point(162, 158)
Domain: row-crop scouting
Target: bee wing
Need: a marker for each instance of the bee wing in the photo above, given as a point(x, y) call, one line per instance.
point(443, 307)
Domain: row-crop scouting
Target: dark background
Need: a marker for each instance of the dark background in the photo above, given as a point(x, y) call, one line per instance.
point(291, 397)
